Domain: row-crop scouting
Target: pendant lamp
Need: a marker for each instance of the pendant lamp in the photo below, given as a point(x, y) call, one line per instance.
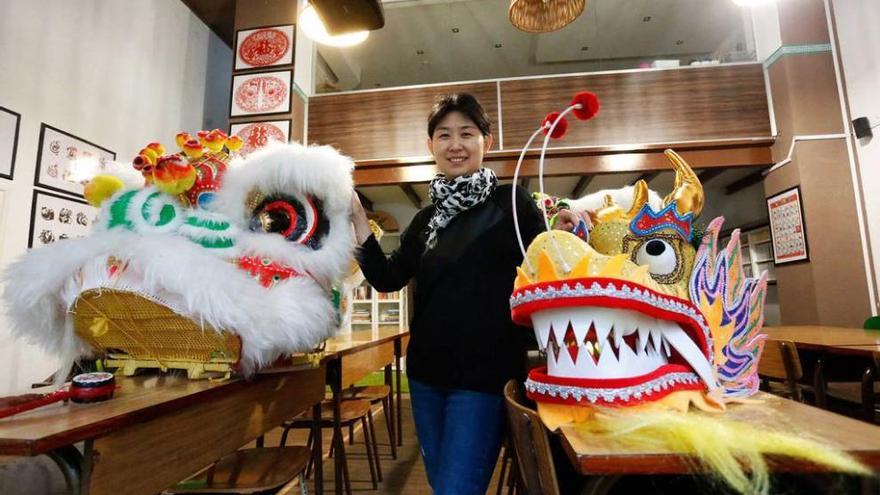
point(544, 16)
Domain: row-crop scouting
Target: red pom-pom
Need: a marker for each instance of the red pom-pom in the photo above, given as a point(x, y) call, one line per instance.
point(589, 103)
point(560, 128)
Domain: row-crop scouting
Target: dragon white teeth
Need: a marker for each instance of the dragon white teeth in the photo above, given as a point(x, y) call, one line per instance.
point(652, 347)
point(580, 322)
point(683, 344)
point(643, 339)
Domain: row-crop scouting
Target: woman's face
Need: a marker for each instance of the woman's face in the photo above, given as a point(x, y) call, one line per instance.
point(458, 145)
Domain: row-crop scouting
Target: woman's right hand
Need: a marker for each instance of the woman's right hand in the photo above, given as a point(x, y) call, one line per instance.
point(359, 219)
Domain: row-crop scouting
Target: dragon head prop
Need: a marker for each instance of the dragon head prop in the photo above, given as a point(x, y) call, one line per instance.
point(211, 245)
point(644, 313)
point(642, 310)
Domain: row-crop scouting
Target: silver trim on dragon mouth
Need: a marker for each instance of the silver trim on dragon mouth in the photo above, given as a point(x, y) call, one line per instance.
point(562, 290)
point(611, 394)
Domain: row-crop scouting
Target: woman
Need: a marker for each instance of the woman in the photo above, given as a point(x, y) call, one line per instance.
point(462, 252)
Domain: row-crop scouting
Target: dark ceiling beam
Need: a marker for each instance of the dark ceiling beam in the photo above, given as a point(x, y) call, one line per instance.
point(740, 184)
point(218, 15)
point(647, 176)
point(422, 169)
point(365, 201)
point(709, 174)
point(581, 187)
point(412, 195)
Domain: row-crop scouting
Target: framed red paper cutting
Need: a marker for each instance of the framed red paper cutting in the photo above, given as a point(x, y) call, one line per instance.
point(261, 93)
point(787, 227)
point(258, 134)
point(263, 47)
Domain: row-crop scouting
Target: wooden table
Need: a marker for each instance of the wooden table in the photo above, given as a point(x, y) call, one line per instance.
point(604, 460)
point(349, 359)
point(823, 338)
point(158, 429)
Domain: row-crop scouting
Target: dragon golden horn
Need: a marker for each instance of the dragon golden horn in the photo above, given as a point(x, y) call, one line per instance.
point(688, 192)
point(640, 197)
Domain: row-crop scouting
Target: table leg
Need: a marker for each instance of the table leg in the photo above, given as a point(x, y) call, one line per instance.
point(70, 461)
point(599, 485)
point(334, 379)
point(318, 449)
point(389, 415)
point(398, 351)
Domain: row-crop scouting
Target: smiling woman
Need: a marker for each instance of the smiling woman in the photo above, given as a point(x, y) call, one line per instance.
point(462, 254)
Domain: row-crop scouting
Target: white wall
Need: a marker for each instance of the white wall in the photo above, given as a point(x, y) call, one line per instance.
point(118, 73)
point(859, 49)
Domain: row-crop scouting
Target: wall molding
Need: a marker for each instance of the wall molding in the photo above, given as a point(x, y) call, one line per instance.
point(787, 50)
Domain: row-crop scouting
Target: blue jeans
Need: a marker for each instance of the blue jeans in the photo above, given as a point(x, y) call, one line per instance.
point(460, 433)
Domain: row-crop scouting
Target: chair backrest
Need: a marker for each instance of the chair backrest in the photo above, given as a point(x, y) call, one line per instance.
point(531, 444)
point(872, 323)
point(780, 361)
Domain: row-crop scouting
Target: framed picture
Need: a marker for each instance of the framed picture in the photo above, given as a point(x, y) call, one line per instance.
point(261, 93)
point(9, 123)
point(264, 47)
point(55, 218)
point(258, 134)
point(787, 228)
point(66, 162)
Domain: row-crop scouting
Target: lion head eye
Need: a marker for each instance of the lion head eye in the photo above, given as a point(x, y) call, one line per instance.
point(298, 219)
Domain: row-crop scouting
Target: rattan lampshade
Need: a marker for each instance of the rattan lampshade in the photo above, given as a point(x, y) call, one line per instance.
point(544, 16)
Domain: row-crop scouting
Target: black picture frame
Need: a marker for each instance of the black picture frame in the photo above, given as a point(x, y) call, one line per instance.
point(38, 172)
point(290, 92)
point(36, 195)
point(235, 47)
point(17, 117)
point(803, 224)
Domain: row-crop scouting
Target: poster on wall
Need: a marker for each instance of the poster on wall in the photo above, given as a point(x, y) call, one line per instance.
point(9, 122)
point(258, 134)
point(55, 218)
point(66, 162)
point(261, 93)
point(264, 47)
point(787, 227)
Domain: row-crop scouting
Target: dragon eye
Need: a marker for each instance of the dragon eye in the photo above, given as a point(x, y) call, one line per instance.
point(299, 219)
point(659, 255)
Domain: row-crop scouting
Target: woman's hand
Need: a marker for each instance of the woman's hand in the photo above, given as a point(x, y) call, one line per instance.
point(359, 219)
point(567, 220)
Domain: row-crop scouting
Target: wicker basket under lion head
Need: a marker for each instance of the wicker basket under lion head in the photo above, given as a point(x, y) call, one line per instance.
point(213, 264)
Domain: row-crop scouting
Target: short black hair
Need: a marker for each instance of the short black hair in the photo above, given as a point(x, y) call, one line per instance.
point(465, 103)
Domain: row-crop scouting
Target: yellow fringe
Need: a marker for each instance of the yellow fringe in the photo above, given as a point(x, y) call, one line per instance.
point(728, 449)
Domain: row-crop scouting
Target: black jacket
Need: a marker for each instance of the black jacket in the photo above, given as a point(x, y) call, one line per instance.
point(461, 333)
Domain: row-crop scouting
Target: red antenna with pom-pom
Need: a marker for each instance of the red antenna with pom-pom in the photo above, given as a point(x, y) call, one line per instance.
point(584, 106)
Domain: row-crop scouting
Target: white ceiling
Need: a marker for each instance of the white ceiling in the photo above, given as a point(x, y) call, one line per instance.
point(610, 34)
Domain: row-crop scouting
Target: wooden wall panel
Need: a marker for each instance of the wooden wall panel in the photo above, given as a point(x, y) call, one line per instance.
point(386, 124)
point(719, 102)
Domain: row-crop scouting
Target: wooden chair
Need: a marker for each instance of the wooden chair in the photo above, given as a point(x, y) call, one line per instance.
point(350, 412)
point(780, 362)
point(375, 394)
point(857, 399)
point(531, 445)
point(248, 471)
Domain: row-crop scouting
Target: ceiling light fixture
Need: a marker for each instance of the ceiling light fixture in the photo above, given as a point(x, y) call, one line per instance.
point(314, 28)
point(544, 16)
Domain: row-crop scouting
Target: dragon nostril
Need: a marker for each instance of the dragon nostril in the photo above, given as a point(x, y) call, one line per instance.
point(655, 247)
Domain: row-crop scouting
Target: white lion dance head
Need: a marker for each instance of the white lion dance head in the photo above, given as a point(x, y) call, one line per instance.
point(214, 261)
